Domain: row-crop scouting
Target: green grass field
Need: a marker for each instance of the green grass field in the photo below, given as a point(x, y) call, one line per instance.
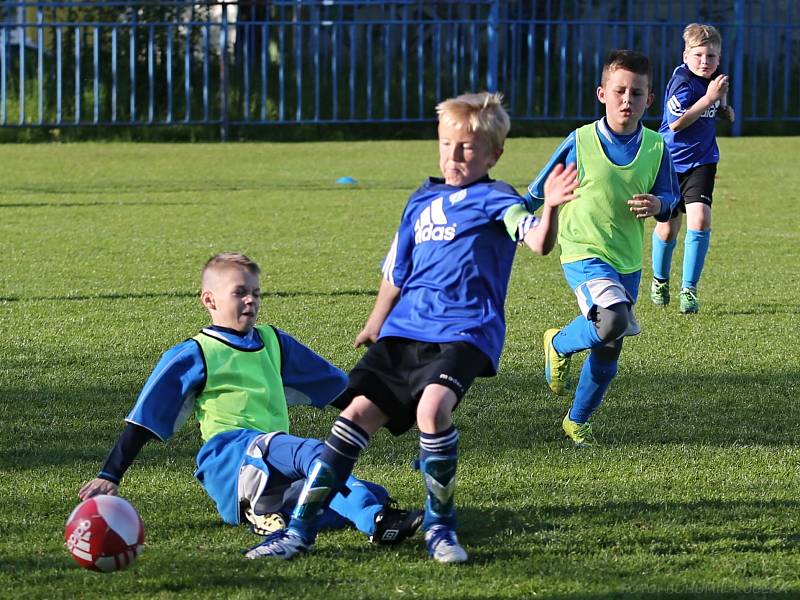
point(694, 494)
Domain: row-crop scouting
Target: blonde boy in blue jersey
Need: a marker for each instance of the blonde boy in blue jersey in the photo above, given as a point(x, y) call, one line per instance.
point(626, 176)
point(438, 321)
point(238, 379)
point(696, 96)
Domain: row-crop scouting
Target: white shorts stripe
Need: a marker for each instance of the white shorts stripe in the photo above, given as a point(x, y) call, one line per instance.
point(605, 293)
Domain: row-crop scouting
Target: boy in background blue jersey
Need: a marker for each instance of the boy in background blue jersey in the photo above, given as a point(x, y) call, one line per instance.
point(438, 321)
point(626, 175)
point(696, 94)
point(238, 379)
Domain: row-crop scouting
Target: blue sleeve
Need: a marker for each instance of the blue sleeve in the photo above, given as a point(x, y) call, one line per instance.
point(168, 395)
point(499, 199)
point(679, 99)
point(397, 264)
point(565, 154)
point(307, 377)
point(666, 187)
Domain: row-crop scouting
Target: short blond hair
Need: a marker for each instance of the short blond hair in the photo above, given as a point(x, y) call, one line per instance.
point(481, 113)
point(699, 34)
point(224, 260)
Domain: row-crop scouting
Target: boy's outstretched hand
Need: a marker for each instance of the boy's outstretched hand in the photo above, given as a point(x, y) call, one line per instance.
point(97, 487)
point(366, 337)
point(645, 205)
point(560, 185)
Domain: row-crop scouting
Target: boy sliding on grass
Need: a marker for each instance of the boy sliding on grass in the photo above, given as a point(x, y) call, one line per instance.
point(238, 378)
point(696, 94)
point(626, 175)
point(438, 321)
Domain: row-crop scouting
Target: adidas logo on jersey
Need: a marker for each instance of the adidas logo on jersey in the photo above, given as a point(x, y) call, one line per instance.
point(711, 111)
point(432, 224)
point(675, 108)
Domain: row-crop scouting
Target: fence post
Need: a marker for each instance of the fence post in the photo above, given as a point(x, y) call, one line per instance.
point(491, 74)
point(223, 66)
point(738, 67)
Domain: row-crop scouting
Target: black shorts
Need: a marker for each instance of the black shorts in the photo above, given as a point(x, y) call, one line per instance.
point(697, 185)
point(395, 371)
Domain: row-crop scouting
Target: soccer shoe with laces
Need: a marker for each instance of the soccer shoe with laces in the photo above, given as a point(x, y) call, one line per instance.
point(556, 367)
point(580, 433)
point(689, 304)
point(659, 292)
point(284, 544)
point(443, 545)
point(266, 523)
point(393, 525)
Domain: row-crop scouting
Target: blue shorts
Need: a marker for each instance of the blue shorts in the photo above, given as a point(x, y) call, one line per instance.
point(596, 283)
point(266, 472)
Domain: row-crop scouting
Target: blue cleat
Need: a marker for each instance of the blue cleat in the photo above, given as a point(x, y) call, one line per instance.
point(285, 545)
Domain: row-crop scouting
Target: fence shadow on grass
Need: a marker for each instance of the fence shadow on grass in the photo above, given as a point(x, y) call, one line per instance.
point(109, 203)
point(186, 294)
point(548, 539)
point(515, 409)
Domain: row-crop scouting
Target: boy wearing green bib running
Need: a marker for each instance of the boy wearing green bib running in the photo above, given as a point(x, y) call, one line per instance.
point(625, 176)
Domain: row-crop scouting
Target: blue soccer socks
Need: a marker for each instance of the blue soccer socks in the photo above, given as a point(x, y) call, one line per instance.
point(437, 462)
point(694, 256)
point(357, 503)
point(580, 334)
point(327, 475)
point(596, 376)
point(662, 257)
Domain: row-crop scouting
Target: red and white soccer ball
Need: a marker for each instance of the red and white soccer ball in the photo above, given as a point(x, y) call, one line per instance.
point(104, 533)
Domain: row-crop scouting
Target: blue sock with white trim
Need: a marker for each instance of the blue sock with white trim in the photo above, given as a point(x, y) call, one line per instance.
point(438, 459)
point(662, 257)
point(327, 475)
point(695, 248)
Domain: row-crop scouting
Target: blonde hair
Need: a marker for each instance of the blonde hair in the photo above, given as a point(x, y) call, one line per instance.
point(698, 34)
point(228, 259)
point(481, 113)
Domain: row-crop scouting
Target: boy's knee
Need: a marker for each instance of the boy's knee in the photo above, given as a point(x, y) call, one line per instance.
point(668, 232)
point(608, 354)
point(364, 413)
point(435, 408)
point(612, 322)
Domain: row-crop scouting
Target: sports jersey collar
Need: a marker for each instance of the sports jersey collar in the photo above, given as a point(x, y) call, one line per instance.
point(435, 182)
point(248, 341)
point(616, 139)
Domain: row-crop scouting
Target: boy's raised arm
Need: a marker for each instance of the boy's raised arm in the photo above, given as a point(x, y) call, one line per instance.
point(559, 188)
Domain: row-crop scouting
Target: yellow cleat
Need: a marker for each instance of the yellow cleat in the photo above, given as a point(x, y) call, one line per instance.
point(556, 367)
point(580, 433)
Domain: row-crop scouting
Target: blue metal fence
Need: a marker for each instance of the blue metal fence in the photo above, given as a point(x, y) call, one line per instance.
point(115, 62)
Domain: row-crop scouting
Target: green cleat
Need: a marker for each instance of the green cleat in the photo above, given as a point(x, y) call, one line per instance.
point(659, 293)
point(556, 367)
point(689, 304)
point(580, 433)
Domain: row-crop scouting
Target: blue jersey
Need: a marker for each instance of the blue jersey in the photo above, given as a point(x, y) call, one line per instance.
point(451, 258)
point(168, 396)
point(696, 144)
point(621, 150)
